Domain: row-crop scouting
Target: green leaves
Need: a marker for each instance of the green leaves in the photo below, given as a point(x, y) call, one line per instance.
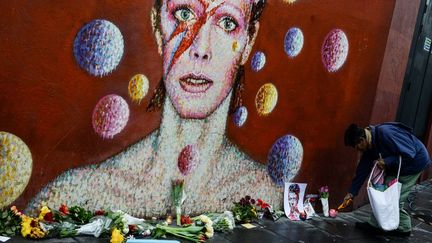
point(80, 215)
point(10, 224)
point(244, 212)
point(158, 233)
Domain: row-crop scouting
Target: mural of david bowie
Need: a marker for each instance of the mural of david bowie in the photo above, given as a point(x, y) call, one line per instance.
point(204, 45)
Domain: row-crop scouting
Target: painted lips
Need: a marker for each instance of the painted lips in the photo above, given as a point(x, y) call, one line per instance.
point(195, 83)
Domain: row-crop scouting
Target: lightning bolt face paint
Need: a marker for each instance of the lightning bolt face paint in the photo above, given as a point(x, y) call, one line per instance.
point(199, 61)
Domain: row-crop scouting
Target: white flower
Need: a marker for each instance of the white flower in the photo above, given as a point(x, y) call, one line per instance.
point(209, 231)
point(204, 219)
point(146, 232)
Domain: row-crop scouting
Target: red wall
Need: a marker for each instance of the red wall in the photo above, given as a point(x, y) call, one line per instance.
point(47, 100)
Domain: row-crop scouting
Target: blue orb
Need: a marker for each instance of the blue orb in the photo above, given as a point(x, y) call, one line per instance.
point(293, 43)
point(284, 159)
point(98, 47)
point(258, 61)
point(240, 116)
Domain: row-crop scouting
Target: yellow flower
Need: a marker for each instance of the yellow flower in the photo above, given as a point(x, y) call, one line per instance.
point(116, 236)
point(37, 233)
point(25, 226)
point(254, 212)
point(44, 210)
point(209, 231)
point(27, 229)
point(205, 219)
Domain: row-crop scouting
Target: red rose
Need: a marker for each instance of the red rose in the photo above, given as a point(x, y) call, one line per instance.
point(259, 202)
point(49, 217)
point(64, 209)
point(33, 223)
point(185, 220)
point(99, 212)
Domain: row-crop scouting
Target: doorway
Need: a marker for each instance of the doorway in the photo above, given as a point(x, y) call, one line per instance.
point(416, 96)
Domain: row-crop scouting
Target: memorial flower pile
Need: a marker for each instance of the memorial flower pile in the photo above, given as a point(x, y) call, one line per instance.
point(119, 226)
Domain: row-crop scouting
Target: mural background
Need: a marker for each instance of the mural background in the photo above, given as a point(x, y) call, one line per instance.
point(47, 100)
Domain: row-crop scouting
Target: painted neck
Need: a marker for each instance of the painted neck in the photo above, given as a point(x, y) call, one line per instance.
point(206, 134)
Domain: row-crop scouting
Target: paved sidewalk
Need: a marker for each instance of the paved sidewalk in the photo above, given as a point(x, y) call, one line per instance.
point(321, 230)
point(341, 229)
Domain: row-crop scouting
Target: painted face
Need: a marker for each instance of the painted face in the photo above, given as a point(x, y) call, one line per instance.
point(292, 199)
point(203, 44)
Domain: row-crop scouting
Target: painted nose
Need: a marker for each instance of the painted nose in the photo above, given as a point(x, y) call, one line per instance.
point(201, 47)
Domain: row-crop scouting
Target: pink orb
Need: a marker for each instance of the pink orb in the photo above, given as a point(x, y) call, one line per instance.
point(110, 116)
point(188, 159)
point(333, 213)
point(334, 50)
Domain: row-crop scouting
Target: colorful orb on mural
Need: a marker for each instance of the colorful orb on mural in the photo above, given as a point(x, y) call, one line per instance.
point(284, 159)
point(110, 116)
point(266, 99)
point(240, 116)
point(188, 159)
point(98, 47)
point(293, 43)
point(334, 50)
point(258, 61)
point(15, 167)
point(138, 87)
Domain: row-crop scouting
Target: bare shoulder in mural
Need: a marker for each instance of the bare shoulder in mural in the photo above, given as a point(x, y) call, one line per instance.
point(204, 44)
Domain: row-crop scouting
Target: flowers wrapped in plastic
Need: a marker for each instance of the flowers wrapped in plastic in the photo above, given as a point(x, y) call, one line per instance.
point(222, 222)
point(324, 194)
point(178, 197)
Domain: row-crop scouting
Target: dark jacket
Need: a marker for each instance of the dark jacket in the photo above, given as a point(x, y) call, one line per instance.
point(391, 140)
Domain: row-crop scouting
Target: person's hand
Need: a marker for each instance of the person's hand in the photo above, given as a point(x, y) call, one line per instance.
point(381, 164)
point(348, 197)
point(347, 201)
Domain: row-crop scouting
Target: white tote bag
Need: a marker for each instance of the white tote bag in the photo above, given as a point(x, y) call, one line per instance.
point(385, 205)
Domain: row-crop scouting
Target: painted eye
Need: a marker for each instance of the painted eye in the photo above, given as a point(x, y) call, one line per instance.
point(184, 14)
point(228, 24)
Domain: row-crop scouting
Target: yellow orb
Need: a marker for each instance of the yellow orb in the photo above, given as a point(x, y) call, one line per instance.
point(266, 99)
point(138, 87)
point(15, 167)
point(289, 1)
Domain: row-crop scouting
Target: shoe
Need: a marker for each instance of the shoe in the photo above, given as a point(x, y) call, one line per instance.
point(368, 227)
point(399, 233)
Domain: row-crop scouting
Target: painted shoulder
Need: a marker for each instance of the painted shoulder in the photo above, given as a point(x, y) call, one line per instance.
point(83, 182)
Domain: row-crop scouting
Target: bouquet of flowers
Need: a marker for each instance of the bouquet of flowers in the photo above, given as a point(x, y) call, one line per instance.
point(10, 222)
point(324, 194)
point(222, 222)
point(267, 210)
point(244, 210)
point(192, 232)
point(30, 228)
point(208, 224)
point(178, 197)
